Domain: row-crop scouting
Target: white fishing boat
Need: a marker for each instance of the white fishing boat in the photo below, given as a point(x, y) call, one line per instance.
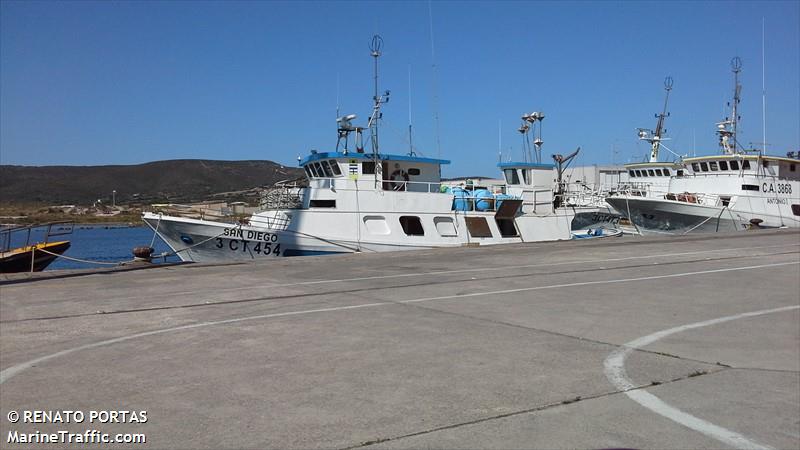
point(734, 190)
point(357, 201)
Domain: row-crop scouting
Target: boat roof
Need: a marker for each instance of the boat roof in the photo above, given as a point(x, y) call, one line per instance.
point(525, 165)
point(645, 165)
point(383, 157)
point(740, 156)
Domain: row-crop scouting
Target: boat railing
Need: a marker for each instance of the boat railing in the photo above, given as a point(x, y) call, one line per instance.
point(201, 212)
point(21, 236)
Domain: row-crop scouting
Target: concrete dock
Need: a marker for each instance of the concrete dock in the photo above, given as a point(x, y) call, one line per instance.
point(673, 342)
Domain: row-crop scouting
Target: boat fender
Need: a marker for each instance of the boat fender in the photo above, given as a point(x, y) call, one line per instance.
point(398, 179)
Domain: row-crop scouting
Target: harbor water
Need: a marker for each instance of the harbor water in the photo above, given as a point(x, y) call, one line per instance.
point(103, 243)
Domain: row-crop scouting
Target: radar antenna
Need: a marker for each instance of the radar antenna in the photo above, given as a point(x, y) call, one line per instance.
point(656, 137)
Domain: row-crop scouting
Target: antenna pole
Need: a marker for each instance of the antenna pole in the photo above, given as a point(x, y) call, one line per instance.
point(736, 64)
point(410, 144)
point(763, 94)
point(655, 141)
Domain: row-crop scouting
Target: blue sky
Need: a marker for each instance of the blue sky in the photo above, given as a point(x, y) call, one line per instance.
point(89, 83)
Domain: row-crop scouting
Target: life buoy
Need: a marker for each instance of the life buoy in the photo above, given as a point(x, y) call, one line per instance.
point(398, 180)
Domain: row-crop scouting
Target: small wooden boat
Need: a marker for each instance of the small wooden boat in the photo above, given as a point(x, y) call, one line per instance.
point(18, 254)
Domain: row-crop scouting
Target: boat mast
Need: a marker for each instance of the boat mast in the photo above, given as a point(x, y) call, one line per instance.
point(727, 128)
point(655, 137)
point(375, 50)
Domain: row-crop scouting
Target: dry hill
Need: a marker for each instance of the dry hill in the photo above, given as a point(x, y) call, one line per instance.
point(180, 180)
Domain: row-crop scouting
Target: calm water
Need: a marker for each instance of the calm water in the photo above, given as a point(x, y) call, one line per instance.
point(98, 243)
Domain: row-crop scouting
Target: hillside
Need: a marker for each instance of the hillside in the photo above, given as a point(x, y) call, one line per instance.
point(161, 181)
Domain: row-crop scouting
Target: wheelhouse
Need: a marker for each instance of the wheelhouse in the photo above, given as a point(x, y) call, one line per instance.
point(649, 171)
point(784, 168)
point(368, 171)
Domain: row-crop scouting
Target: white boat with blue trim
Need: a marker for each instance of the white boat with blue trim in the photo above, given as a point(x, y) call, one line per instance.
point(357, 201)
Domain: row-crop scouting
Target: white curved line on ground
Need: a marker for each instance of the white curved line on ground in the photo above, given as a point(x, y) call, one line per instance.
point(615, 372)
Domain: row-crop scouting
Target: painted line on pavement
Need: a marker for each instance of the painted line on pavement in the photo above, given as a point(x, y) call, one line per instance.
point(614, 368)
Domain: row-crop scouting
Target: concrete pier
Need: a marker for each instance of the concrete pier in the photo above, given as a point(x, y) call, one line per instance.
point(674, 342)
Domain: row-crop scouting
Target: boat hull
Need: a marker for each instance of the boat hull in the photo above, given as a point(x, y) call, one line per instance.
point(659, 216)
point(324, 233)
point(19, 260)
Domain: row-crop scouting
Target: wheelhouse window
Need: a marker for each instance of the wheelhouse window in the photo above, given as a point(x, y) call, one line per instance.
point(666, 172)
point(327, 169)
point(412, 226)
point(335, 168)
point(313, 170)
point(526, 175)
point(632, 173)
point(413, 171)
point(734, 165)
point(704, 166)
point(696, 167)
point(723, 165)
point(713, 166)
point(308, 171)
point(511, 176)
point(650, 172)
point(320, 172)
point(745, 165)
point(368, 167)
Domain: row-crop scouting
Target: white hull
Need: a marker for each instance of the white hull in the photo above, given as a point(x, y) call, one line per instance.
point(658, 216)
point(321, 233)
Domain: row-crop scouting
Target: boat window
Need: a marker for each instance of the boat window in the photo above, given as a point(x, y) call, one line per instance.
point(445, 226)
point(322, 203)
point(791, 168)
point(696, 167)
point(734, 165)
point(680, 172)
point(368, 167)
point(327, 169)
point(412, 226)
point(320, 172)
point(750, 187)
point(413, 171)
point(745, 165)
point(308, 171)
point(659, 173)
point(376, 225)
point(723, 165)
point(667, 172)
point(478, 227)
point(632, 174)
point(335, 168)
point(650, 172)
point(713, 166)
point(506, 227)
point(765, 163)
point(511, 176)
point(704, 166)
point(796, 210)
point(526, 175)
point(313, 170)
